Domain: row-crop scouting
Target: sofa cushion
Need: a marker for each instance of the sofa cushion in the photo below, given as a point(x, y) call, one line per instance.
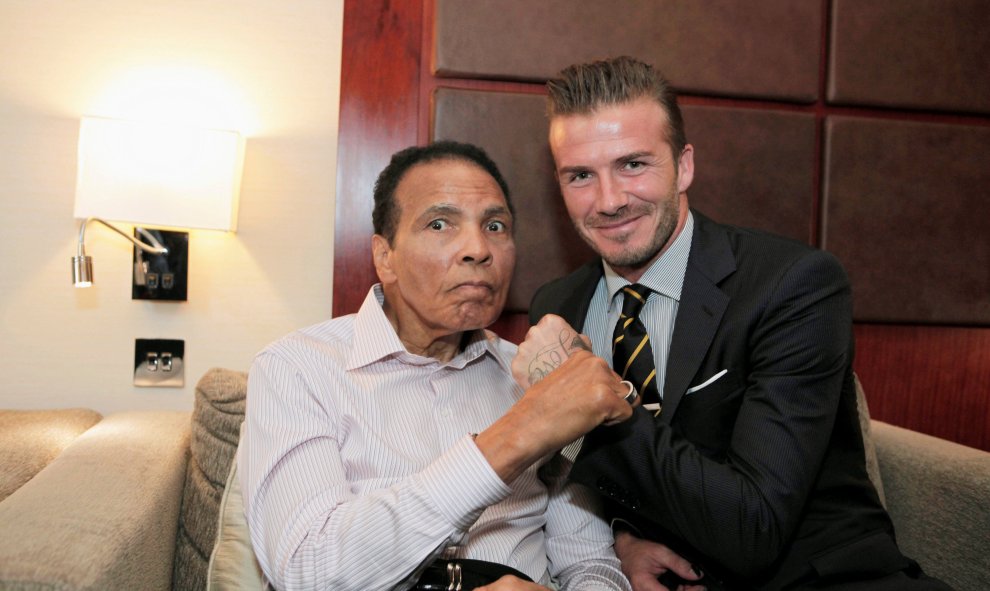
point(218, 412)
point(103, 515)
point(31, 439)
point(937, 495)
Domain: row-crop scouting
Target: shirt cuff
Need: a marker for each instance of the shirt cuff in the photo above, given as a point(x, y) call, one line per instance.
point(462, 484)
point(620, 525)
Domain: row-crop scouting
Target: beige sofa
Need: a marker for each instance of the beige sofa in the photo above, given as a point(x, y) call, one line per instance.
point(130, 501)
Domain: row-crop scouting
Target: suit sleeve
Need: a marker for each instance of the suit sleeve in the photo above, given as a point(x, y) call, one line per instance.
point(741, 505)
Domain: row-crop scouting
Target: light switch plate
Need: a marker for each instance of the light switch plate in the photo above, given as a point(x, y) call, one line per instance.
point(159, 363)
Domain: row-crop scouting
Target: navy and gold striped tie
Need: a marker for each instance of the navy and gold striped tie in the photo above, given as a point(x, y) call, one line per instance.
point(632, 356)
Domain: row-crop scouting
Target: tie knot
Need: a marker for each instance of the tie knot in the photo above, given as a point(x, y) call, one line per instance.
point(633, 297)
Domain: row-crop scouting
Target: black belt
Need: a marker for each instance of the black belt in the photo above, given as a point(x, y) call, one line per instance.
point(463, 575)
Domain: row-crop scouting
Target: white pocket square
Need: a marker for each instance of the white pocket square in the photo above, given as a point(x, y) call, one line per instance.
point(707, 382)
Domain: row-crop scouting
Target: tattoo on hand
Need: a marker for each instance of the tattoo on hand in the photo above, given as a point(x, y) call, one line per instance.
point(552, 356)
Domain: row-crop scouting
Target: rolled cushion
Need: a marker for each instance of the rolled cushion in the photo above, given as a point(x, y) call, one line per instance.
point(217, 415)
point(233, 565)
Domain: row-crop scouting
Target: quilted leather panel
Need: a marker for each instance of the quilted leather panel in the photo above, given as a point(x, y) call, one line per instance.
point(906, 214)
point(927, 54)
point(754, 168)
point(760, 48)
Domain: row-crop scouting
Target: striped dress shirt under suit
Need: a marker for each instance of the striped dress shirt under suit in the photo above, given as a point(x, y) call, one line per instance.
point(665, 277)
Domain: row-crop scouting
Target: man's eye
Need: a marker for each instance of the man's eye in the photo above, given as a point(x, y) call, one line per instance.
point(497, 226)
point(438, 224)
point(578, 177)
point(634, 165)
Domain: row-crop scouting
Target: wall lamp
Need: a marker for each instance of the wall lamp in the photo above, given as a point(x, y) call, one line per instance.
point(156, 175)
point(82, 265)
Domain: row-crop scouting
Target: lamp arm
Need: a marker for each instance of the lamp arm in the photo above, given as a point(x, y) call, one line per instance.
point(154, 248)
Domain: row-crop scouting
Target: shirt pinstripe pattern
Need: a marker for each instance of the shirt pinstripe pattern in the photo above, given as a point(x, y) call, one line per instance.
point(665, 277)
point(357, 467)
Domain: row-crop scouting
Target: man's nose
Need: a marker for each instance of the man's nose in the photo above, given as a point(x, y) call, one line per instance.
point(475, 247)
point(611, 197)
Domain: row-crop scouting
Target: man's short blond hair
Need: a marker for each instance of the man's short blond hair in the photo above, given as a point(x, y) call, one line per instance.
point(583, 88)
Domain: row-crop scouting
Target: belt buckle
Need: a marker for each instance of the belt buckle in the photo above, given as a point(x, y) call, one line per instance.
point(454, 576)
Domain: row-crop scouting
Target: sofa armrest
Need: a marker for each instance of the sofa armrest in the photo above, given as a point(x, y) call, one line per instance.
point(103, 514)
point(937, 495)
point(31, 439)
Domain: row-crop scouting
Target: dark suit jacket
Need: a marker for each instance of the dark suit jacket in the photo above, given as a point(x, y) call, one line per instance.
point(760, 476)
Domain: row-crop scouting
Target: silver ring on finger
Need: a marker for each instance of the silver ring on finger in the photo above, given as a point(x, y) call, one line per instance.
point(632, 394)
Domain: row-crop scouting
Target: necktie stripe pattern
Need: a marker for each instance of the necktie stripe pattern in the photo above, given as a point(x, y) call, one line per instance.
point(631, 350)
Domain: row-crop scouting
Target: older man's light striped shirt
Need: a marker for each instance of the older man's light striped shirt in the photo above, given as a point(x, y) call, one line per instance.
point(358, 469)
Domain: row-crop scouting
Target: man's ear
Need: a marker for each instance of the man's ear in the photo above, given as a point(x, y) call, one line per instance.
point(381, 252)
point(685, 168)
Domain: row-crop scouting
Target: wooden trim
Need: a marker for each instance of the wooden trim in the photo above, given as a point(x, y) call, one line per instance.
point(379, 103)
point(933, 379)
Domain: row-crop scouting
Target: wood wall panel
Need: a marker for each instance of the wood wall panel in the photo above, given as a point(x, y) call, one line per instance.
point(931, 379)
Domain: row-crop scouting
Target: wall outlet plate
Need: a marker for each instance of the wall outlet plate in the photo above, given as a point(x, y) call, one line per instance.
point(159, 363)
point(162, 277)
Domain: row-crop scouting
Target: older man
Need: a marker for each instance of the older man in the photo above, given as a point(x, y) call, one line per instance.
point(376, 442)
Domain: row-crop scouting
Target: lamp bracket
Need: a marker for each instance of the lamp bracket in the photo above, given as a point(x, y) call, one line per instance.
point(161, 277)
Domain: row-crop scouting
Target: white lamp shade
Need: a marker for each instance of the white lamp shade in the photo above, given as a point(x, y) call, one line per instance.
point(159, 175)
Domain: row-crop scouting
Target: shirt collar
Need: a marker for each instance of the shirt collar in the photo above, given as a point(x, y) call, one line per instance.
point(375, 340)
point(666, 274)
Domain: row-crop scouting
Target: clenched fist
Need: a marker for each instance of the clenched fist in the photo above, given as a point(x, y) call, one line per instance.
point(548, 344)
point(569, 391)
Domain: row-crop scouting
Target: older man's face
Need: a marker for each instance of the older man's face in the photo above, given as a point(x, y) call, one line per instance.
point(449, 265)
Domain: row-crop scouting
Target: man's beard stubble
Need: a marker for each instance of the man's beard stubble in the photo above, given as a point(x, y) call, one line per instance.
point(635, 259)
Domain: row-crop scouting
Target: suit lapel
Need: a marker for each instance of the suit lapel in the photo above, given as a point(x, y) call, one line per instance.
point(580, 288)
point(700, 310)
